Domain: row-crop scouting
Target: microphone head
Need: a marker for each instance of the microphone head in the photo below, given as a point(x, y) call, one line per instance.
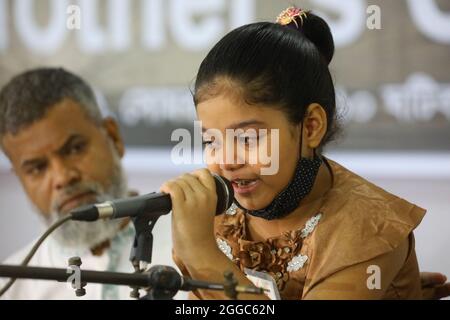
point(225, 194)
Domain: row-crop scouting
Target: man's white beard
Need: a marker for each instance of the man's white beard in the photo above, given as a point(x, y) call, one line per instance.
point(87, 235)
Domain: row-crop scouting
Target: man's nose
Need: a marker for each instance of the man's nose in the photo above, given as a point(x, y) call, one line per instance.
point(64, 174)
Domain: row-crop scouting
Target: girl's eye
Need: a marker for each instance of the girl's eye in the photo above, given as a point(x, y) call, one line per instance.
point(210, 143)
point(248, 140)
point(205, 143)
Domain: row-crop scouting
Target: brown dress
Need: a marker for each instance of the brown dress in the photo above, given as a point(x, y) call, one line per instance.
point(357, 222)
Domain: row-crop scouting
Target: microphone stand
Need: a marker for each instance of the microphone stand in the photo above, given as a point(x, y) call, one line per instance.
point(143, 241)
point(142, 248)
point(161, 282)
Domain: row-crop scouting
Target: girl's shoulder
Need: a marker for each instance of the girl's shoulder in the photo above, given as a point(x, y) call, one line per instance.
point(360, 221)
point(356, 202)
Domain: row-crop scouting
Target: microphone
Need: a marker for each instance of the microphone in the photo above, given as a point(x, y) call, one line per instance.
point(153, 203)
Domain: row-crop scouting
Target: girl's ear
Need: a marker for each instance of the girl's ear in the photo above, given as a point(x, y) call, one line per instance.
point(315, 125)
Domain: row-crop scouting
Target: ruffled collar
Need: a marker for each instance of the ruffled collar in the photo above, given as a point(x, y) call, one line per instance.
point(278, 255)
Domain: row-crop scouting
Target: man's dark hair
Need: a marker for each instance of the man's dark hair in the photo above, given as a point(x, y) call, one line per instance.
point(27, 97)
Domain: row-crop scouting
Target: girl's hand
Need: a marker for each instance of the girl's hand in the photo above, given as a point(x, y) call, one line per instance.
point(194, 202)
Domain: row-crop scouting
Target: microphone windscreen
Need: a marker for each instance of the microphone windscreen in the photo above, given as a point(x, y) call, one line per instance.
point(225, 194)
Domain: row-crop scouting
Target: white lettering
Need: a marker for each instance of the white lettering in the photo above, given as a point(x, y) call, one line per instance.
point(41, 40)
point(373, 21)
point(192, 35)
point(153, 31)
point(92, 38)
point(429, 19)
point(119, 24)
point(350, 25)
point(74, 18)
point(374, 280)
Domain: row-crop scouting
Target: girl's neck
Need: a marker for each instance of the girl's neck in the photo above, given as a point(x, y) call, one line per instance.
point(259, 229)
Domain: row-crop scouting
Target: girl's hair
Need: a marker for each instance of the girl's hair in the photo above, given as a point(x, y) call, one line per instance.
point(275, 65)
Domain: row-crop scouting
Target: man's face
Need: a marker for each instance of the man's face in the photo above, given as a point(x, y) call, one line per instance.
point(65, 159)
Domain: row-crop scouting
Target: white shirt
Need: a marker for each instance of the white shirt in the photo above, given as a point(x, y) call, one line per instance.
point(53, 255)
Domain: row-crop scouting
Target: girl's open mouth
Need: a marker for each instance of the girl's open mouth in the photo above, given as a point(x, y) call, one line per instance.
point(243, 186)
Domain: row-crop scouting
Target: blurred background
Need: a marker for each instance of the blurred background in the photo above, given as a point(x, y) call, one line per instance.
point(391, 70)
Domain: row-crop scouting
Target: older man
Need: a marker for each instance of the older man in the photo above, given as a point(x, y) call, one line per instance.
point(65, 155)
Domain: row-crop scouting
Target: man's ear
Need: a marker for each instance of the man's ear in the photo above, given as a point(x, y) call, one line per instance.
point(112, 129)
point(315, 123)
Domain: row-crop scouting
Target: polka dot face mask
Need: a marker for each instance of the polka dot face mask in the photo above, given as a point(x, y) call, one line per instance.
point(289, 199)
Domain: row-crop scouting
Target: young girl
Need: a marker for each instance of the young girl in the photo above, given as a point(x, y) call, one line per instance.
point(319, 230)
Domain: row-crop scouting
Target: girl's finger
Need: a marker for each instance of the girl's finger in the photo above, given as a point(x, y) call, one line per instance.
point(175, 191)
point(195, 183)
point(206, 178)
point(188, 191)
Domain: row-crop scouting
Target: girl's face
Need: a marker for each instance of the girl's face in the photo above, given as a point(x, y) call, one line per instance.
point(253, 188)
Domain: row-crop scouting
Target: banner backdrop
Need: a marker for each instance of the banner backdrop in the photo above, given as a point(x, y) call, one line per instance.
point(391, 67)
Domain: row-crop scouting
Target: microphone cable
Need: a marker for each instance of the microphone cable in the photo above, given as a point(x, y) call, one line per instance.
point(33, 250)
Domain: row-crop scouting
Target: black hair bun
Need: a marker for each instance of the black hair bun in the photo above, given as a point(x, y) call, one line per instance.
point(318, 32)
